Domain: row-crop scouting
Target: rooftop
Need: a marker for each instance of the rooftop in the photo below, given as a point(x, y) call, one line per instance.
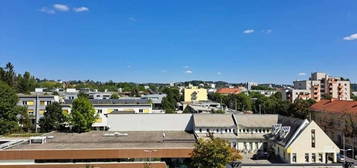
point(114, 101)
point(228, 91)
point(115, 140)
point(213, 120)
point(256, 120)
point(335, 106)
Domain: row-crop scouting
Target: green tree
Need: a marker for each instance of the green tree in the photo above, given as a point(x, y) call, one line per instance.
point(8, 109)
point(114, 96)
point(300, 108)
point(213, 153)
point(10, 75)
point(25, 120)
point(25, 83)
point(53, 119)
point(82, 115)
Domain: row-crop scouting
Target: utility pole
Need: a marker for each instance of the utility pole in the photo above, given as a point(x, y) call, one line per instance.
point(36, 112)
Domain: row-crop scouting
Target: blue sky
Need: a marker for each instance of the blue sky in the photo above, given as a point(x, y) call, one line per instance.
point(175, 40)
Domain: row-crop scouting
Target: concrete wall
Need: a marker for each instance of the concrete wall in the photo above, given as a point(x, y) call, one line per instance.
point(150, 122)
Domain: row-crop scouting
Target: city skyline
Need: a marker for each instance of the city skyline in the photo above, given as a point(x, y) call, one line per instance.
point(159, 41)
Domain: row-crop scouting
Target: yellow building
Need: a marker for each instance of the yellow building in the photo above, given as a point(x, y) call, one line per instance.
point(195, 94)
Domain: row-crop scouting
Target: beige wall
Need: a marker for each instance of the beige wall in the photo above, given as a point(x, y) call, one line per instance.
point(302, 144)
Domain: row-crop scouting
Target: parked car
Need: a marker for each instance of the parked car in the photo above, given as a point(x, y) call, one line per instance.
point(340, 158)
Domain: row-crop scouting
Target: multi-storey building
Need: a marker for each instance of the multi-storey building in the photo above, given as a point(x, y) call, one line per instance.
point(338, 119)
point(319, 86)
point(36, 104)
point(103, 107)
point(195, 94)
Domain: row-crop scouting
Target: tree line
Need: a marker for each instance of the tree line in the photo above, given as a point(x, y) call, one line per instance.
point(260, 104)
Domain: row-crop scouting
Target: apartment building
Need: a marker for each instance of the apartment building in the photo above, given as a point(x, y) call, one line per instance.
point(36, 104)
point(318, 86)
point(195, 94)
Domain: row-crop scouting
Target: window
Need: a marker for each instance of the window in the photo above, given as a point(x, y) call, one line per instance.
point(200, 130)
point(306, 157)
point(100, 111)
point(141, 110)
point(24, 102)
point(313, 157)
point(294, 158)
point(320, 157)
point(313, 138)
point(42, 103)
point(49, 102)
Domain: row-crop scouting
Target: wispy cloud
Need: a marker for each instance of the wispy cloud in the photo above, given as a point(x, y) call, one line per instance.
point(351, 37)
point(248, 31)
point(186, 66)
point(47, 10)
point(81, 9)
point(301, 73)
point(61, 7)
point(267, 31)
point(219, 73)
point(163, 71)
point(188, 72)
point(133, 19)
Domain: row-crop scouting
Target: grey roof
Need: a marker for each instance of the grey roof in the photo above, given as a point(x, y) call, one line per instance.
point(294, 124)
point(256, 120)
point(213, 120)
point(114, 101)
point(103, 139)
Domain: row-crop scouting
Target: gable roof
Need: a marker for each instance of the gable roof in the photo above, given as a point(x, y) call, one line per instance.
point(228, 91)
point(335, 106)
point(256, 120)
point(296, 127)
point(213, 120)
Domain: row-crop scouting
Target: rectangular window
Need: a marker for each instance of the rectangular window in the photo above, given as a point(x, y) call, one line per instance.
point(100, 111)
point(49, 102)
point(141, 110)
point(24, 102)
point(313, 138)
point(42, 103)
point(320, 157)
point(294, 158)
point(306, 157)
point(313, 157)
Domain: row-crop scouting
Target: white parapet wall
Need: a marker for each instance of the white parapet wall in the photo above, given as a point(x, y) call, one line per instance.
point(150, 122)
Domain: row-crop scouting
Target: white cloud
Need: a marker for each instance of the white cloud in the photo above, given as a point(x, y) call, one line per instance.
point(81, 9)
point(248, 31)
point(267, 31)
point(351, 37)
point(188, 72)
point(61, 7)
point(301, 73)
point(47, 10)
point(186, 66)
point(219, 73)
point(164, 71)
point(133, 19)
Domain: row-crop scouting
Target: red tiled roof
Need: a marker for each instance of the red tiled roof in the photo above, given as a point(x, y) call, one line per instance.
point(228, 91)
point(335, 106)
